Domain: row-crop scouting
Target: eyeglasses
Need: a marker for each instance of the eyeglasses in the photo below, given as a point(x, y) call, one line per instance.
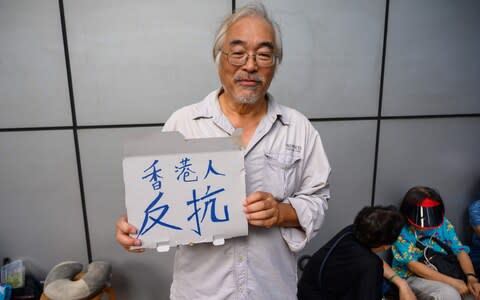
point(240, 58)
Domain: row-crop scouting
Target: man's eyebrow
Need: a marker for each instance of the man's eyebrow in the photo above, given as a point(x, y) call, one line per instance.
point(236, 42)
point(267, 44)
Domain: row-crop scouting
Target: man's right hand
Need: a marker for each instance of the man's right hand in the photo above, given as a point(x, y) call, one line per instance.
point(122, 235)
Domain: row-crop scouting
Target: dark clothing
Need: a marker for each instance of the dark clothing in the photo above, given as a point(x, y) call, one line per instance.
point(351, 272)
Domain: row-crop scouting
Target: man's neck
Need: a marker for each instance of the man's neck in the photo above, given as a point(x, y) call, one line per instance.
point(245, 116)
point(242, 113)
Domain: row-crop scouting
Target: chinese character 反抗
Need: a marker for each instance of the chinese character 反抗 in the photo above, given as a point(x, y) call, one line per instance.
point(161, 211)
point(209, 200)
point(185, 171)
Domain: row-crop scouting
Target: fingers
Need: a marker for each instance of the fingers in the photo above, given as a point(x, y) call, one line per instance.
point(124, 227)
point(122, 235)
point(474, 289)
point(255, 197)
point(464, 289)
point(266, 223)
point(261, 205)
point(261, 209)
point(259, 201)
point(263, 218)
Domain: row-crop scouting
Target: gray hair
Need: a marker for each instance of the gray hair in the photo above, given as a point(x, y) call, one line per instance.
point(252, 9)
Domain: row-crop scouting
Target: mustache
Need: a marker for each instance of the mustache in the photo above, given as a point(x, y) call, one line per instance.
point(246, 76)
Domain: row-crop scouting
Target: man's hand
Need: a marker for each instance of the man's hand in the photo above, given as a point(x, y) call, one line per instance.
point(262, 210)
point(122, 235)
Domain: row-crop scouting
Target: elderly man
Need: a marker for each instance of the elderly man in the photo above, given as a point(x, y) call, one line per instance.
point(286, 171)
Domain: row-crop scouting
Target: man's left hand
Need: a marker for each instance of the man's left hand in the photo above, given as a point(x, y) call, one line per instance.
point(261, 209)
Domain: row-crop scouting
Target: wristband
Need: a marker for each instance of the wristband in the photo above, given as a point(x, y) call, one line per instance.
point(391, 277)
point(471, 274)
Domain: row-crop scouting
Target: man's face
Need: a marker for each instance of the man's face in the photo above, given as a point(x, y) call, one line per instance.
point(248, 83)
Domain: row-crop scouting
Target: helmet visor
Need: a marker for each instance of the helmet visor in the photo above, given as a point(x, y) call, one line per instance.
point(426, 214)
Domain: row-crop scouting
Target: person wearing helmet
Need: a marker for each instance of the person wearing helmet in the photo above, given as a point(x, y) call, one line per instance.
point(427, 227)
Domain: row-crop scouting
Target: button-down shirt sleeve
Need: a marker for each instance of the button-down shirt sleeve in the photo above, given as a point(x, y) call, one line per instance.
point(310, 201)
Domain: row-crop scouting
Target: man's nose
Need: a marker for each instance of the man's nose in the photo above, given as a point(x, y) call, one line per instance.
point(251, 63)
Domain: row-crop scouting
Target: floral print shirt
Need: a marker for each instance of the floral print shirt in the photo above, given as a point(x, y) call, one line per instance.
point(474, 216)
point(405, 251)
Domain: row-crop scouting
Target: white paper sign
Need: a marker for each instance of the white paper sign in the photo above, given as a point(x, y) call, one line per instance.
point(181, 192)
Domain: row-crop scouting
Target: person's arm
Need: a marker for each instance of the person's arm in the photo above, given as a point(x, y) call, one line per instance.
point(451, 238)
point(423, 271)
point(468, 270)
point(122, 235)
point(404, 290)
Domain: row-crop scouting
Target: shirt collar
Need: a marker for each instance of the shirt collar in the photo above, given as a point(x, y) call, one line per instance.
point(210, 108)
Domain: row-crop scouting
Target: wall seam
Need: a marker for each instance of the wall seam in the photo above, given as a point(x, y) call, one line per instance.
point(380, 100)
point(325, 119)
point(75, 129)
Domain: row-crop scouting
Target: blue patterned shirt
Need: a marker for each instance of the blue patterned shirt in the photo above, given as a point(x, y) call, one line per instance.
point(405, 251)
point(474, 215)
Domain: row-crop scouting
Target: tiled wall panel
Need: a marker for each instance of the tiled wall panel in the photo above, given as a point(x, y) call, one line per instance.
point(136, 62)
point(41, 213)
point(432, 64)
point(33, 81)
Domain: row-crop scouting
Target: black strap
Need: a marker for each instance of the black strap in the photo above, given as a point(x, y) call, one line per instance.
point(324, 261)
point(442, 245)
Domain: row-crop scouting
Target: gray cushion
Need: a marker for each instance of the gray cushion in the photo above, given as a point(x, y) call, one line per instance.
point(59, 284)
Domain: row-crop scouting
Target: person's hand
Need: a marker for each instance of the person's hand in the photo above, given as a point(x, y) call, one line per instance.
point(122, 235)
point(261, 209)
point(404, 291)
point(474, 286)
point(460, 286)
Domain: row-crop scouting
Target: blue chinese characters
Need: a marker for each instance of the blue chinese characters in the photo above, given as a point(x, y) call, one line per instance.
point(203, 205)
point(154, 211)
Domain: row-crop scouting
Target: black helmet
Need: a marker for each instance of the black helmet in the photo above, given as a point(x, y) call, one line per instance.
point(425, 213)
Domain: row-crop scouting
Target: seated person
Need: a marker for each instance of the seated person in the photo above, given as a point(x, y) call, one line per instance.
point(474, 216)
point(347, 266)
point(424, 211)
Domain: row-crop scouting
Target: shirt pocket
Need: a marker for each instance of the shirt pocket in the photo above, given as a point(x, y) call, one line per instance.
point(280, 174)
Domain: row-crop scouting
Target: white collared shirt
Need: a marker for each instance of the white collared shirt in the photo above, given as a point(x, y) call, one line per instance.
point(286, 158)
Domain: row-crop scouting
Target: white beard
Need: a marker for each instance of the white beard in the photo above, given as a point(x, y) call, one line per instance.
point(250, 99)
